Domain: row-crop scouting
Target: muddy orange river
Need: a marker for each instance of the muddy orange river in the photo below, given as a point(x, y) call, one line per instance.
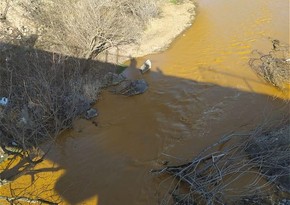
point(201, 88)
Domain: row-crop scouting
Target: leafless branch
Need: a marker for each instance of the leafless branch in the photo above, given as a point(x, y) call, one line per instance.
point(274, 66)
point(213, 175)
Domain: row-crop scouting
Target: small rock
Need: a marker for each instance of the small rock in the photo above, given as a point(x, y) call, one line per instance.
point(137, 87)
point(91, 113)
point(14, 143)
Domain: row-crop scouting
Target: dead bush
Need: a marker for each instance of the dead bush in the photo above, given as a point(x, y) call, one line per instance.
point(237, 167)
point(88, 27)
point(46, 92)
point(273, 67)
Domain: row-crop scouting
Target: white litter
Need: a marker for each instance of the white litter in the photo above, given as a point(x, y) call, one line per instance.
point(146, 66)
point(3, 101)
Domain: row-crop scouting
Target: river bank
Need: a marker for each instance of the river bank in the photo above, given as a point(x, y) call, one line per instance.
point(27, 23)
point(19, 34)
point(200, 89)
point(160, 33)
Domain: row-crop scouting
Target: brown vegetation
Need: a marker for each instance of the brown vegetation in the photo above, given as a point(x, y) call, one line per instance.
point(273, 67)
point(86, 28)
point(239, 167)
point(46, 92)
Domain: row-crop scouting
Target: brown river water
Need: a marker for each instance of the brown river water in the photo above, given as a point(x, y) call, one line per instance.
point(201, 88)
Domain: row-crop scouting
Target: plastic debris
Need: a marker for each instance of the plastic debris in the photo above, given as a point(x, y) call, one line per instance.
point(146, 66)
point(3, 101)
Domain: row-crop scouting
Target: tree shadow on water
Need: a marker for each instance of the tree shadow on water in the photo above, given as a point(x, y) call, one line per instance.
point(109, 163)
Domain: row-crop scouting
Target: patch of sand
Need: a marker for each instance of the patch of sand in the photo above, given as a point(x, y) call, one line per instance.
point(159, 34)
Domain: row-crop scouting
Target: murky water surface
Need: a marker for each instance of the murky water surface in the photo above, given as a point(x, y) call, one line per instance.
point(200, 89)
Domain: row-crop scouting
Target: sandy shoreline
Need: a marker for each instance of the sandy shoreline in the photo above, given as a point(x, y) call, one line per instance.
point(160, 33)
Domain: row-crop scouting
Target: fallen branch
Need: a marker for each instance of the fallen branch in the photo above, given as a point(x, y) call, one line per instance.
point(214, 176)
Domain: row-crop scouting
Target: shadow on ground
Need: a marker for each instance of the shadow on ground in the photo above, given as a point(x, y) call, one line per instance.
point(110, 158)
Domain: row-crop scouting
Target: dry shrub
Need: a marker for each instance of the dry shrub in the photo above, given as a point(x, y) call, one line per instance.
point(237, 167)
point(88, 27)
point(46, 92)
point(274, 66)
